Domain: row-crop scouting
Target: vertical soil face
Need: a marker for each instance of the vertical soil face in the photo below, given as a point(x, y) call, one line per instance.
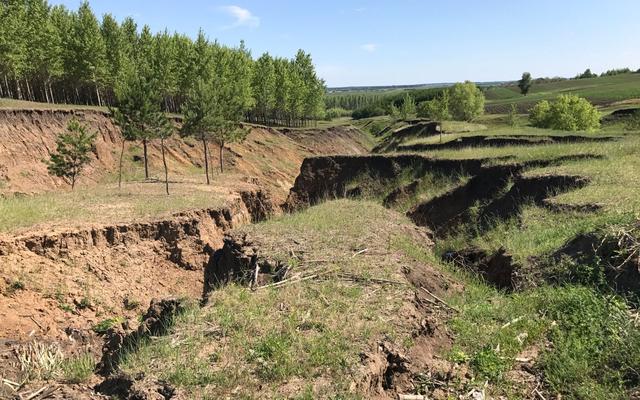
point(74, 279)
point(269, 155)
point(323, 178)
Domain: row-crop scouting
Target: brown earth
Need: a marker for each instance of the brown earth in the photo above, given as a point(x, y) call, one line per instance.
point(271, 156)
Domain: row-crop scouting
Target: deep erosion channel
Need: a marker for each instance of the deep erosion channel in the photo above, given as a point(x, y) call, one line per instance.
point(210, 255)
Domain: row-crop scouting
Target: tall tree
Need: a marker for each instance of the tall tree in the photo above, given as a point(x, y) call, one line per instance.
point(138, 110)
point(203, 116)
point(525, 83)
point(466, 101)
point(263, 85)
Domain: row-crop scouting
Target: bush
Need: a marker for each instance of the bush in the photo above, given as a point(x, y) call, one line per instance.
point(567, 113)
point(466, 101)
point(336, 112)
point(634, 122)
point(436, 109)
point(368, 112)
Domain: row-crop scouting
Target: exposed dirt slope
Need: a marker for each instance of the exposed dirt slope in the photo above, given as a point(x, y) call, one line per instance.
point(72, 280)
point(271, 156)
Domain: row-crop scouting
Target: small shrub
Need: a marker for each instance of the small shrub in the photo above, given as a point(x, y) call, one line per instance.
point(336, 112)
point(633, 124)
point(368, 112)
point(512, 117)
point(103, 326)
point(83, 303)
point(488, 364)
point(15, 286)
point(567, 113)
point(78, 369)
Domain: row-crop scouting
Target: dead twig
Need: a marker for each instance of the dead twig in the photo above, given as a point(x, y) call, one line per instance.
point(37, 323)
point(513, 321)
point(296, 279)
point(36, 393)
point(439, 299)
point(357, 278)
point(536, 391)
point(359, 252)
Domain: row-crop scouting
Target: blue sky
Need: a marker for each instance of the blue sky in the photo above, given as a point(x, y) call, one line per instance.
point(411, 41)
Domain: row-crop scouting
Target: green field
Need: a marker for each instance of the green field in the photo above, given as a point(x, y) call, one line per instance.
point(601, 91)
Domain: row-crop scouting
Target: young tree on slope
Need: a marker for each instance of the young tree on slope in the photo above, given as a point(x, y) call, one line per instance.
point(72, 152)
point(525, 83)
point(138, 108)
point(202, 116)
point(233, 68)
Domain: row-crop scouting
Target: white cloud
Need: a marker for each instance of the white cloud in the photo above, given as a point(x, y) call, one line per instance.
point(243, 17)
point(369, 47)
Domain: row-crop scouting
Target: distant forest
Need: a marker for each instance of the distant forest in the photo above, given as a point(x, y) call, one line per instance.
point(56, 55)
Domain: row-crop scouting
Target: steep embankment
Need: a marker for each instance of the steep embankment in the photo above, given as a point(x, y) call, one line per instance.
point(270, 156)
point(57, 278)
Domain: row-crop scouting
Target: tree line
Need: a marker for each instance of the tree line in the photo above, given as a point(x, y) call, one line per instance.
point(55, 55)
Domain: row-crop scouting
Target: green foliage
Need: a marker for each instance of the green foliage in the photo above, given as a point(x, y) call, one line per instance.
point(466, 101)
point(633, 124)
point(103, 326)
point(59, 56)
point(78, 369)
point(72, 152)
point(586, 74)
point(512, 117)
point(525, 83)
point(368, 112)
point(616, 71)
point(408, 107)
point(567, 112)
point(333, 113)
point(593, 346)
point(436, 109)
point(489, 364)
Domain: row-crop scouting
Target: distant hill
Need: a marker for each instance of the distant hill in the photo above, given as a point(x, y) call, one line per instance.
point(352, 89)
point(600, 90)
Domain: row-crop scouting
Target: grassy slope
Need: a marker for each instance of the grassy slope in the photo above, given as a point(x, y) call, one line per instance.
point(597, 90)
point(584, 342)
point(298, 339)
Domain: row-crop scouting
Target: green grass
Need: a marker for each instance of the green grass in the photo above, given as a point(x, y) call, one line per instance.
point(277, 342)
point(104, 204)
point(599, 90)
point(587, 346)
point(78, 369)
point(23, 104)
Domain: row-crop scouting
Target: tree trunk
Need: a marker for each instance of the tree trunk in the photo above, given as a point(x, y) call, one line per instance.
point(221, 161)
point(18, 90)
point(53, 100)
point(146, 160)
point(166, 171)
point(206, 159)
point(98, 94)
point(120, 168)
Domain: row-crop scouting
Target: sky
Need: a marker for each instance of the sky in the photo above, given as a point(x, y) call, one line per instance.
point(397, 42)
